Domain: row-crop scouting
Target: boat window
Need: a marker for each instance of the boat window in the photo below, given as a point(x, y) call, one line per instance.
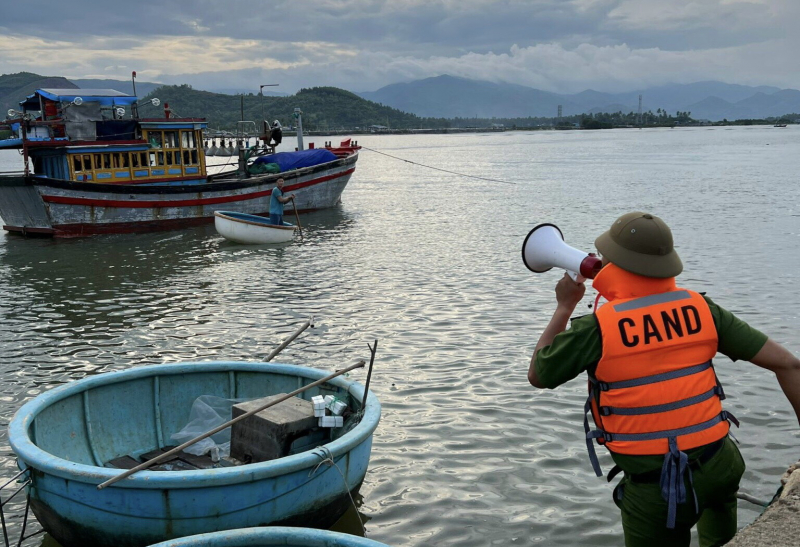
point(161, 158)
point(135, 160)
point(154, 138)
point(171, 139)
point(177, 157)
point(125, 162)
point(115, 161)
point(185, 139)
point(187, 157)
point(77, 164)
point(143, 159)
point(169, 158)
point(152, 159)
point(87, 162)
point(106, 161)
point(98, 160)
point(194, 157)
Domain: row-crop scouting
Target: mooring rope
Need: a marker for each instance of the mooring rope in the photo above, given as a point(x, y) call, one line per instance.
point(327, 458)
point(752, 499)
point(437, 168)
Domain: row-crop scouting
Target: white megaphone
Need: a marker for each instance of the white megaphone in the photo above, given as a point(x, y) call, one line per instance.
point(544, 248)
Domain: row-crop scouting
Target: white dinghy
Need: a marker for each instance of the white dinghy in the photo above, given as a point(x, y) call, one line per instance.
point(251, 229)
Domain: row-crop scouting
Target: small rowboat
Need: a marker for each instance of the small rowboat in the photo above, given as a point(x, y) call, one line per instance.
point(251, 229)
point(272, 536)
point(69, 437)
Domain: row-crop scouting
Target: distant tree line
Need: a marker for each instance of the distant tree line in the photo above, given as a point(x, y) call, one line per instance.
point(330, 109)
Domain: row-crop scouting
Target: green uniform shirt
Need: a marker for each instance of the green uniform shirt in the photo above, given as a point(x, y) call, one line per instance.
point(579, 348)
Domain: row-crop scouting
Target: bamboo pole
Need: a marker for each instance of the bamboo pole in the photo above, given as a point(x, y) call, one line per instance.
point(170, 453)
point(372, 350)
point(301, 328)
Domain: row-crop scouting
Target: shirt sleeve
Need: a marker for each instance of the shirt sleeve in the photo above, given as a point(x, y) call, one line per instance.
point(576, 349)
point(737, 339)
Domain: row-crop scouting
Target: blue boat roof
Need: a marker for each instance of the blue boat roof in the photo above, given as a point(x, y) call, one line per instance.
point(106, 97)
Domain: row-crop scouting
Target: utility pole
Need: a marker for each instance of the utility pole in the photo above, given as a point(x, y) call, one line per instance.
point(640, 111)
point(261, 92)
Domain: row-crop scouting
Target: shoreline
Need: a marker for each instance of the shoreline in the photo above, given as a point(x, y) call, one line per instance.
point(778, 525)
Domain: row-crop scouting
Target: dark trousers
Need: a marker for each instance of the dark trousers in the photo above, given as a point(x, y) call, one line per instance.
point(644, 511)
point(277, 220)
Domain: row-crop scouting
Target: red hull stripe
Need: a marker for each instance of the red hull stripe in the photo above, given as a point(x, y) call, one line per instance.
point(135, 204)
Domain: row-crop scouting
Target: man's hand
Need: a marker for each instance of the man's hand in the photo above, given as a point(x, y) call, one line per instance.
point(569, 293)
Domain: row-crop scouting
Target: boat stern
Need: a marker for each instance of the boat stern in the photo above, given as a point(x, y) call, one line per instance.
point(21, 207)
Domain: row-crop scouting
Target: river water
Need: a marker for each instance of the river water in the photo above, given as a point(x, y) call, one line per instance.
point(428, 263)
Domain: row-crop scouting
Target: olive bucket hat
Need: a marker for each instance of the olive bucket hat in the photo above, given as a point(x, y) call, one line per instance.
point(641, 243)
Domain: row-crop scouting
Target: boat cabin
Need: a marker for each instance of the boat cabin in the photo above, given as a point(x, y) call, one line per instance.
point(96, 135)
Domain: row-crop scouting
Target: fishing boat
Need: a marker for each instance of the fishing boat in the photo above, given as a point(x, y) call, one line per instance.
point(253, 229)
point(71, 439)
point(93, 167)
point(272, 536)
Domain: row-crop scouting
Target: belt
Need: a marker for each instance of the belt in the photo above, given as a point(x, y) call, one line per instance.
point(655, 475)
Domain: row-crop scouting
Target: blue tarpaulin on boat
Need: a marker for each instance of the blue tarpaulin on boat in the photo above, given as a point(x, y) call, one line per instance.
point(296, 160)
point(106, 97)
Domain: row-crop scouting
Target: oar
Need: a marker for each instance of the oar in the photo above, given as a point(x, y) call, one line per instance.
point(294, 206)
point(295, 334)
point(170, 453)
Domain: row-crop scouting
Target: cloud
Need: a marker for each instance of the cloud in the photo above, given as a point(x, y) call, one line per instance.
point(557, 45)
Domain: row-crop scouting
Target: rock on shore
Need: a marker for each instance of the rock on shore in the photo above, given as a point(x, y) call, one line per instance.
point(779, 525)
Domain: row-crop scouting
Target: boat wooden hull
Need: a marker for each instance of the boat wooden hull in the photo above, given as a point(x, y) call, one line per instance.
point(65, 435)
point(272, 536)
point(59, 208)
point(251, 229)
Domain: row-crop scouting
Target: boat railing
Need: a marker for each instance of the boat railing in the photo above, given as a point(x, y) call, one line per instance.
point(23, 480)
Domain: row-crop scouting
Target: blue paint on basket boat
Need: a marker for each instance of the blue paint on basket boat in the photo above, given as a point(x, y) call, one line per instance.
point(64, 435)
point(251, 218)
point(272, 536)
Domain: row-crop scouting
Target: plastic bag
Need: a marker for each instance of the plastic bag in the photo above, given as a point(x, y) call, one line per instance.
point(207, 413)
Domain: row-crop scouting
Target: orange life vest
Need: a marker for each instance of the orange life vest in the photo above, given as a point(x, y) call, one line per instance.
point(654, 390)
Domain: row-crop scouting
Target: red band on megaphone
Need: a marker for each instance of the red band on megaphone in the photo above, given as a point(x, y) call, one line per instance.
point(590, 266)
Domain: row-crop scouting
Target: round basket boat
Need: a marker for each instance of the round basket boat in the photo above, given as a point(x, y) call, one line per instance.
point(272, 536)
point(251, 229)
point(68, 436)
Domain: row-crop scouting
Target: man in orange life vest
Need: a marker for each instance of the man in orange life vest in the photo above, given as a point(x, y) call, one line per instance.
point(653, 393)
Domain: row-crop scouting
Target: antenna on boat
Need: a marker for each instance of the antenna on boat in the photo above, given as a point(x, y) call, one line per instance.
point(77, 101)
point(134, 111)
point(155, 101)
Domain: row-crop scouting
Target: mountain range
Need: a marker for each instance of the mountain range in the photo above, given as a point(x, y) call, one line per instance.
point(452, 97)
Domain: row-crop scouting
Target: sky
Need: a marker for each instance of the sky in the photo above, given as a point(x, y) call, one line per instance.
point(563, 46)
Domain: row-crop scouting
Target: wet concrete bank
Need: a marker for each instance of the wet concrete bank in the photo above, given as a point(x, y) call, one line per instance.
point(779, 526)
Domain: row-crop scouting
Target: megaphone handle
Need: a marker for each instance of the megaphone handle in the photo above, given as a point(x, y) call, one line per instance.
point(576, 277)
